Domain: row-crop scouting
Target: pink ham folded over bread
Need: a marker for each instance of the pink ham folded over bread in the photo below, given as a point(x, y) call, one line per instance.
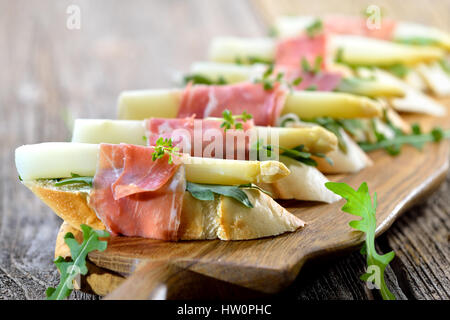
point(202, 137)
point(136, 196)
point(290, 53)
point(361, 26)
point(210, 101)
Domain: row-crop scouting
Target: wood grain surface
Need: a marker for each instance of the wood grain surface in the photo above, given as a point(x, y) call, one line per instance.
point(51, 74)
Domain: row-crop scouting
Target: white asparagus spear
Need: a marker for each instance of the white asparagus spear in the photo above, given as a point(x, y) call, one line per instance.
point(142, 104)
point(355, 50)
point(414, 100)
point(234, 73)
point(315, 139)
point(362, 51)
point(290, 26)
point(407, 31)
point(59, 159)
point(353, 159)
point(436, 79)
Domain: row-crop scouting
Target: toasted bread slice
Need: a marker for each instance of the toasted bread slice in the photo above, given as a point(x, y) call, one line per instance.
point(222, 218)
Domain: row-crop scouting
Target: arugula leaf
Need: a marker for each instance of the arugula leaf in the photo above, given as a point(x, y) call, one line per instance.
point(297, 81)
point(251, 60)
point(311, 88)
point(314, 28)
point(399, 69)
point(305, 65)
point(339, 58)
point(359, 203)
point(417, 139)
point(445, 65)
point(164, 146)
point(298, 153)
point(75, 179)
point(229, 121)
point(206, 192)
point(317, 64)
point(334, 126)
point(77, 263)
point(201, 79)
point(418, 41)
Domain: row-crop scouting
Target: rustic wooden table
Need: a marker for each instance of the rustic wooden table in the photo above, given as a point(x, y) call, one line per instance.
point(51, 74)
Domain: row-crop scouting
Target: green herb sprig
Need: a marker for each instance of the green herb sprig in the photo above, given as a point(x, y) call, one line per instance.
point(416, 139)
point(315, 28)
point(206, 192)
point(201, 79)
point(163, 146)
point(298, 153)
point(77, 263)
point(359, 203)
point(418, 41)
point(229, 121)
point(315, 69)
point(399, 69)
point(268, 80)
point(76, 178)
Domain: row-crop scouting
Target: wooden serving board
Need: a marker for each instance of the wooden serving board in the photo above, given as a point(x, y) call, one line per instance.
point(270, 264)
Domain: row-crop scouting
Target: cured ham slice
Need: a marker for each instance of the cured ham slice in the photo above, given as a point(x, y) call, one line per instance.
point(292, 51)
point(360, 26)
point(202, 137)
point(320, 81)
point(210, 101)
point(136, 196)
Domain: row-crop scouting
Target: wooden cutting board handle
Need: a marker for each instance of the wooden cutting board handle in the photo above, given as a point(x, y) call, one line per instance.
point(150, 281)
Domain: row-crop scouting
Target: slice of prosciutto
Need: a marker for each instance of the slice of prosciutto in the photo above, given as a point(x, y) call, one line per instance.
point(361, 26)
point(210, 101)
point(202, 137)
point(289, 55)
point(136, 196)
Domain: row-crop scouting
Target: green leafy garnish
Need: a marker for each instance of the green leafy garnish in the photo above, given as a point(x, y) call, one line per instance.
point(251, 60)
point(359, 203)
point(418, 41)
point(416, 139)
point(298, 153)
point(317, 64)
point(229, 121)
point(312, 87)
point(206, 192)
point(201, 79)
point(267, 78)
point(297, 81)
point(164, 146)
point(399, 69)
point(77, 263)
point(314, 28)
point(305, 65)
point(339, 55)
point(445, 65)
point(335, 125)
point(75, 179)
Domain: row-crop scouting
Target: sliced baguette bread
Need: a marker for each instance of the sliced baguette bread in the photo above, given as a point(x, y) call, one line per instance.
point(223, 218)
